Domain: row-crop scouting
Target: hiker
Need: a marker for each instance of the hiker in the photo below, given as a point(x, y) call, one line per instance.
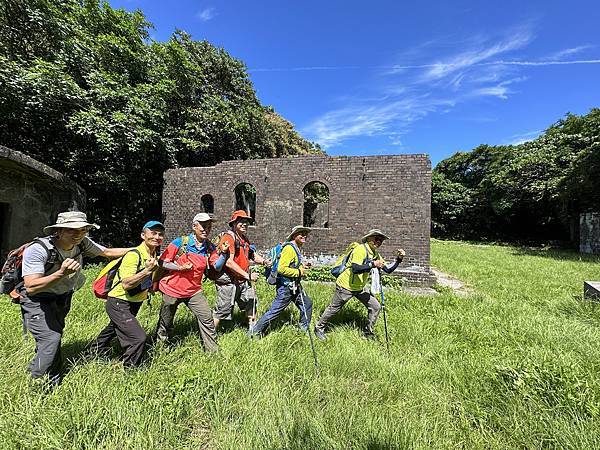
point(290, 270)
point(234, 285)
point(51, 269)
point(351, 282)
point(188, 258)
point(127, 296)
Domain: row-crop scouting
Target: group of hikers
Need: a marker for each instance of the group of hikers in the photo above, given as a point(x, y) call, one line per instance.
point(51, 272)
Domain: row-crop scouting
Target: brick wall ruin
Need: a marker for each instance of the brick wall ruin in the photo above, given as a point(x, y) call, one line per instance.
point(392, 193)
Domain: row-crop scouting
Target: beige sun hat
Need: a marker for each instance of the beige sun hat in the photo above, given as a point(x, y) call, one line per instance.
point(70, 219)
point(297, 229)
point(374, 232)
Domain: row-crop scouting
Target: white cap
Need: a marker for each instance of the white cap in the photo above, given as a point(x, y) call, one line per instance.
point(203, 217)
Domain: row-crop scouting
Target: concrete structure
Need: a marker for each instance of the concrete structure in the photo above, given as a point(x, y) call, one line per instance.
point(31, 196)
point(392, 193)
point(589, 233)
point(591, 290)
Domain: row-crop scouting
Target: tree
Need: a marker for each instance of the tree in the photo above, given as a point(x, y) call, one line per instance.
point(84, 89)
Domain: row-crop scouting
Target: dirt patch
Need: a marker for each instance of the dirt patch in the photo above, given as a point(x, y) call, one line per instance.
point(447, 281)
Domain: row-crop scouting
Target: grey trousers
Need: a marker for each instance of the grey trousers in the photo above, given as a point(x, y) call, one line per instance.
point(199, 308)
point(45, 320)
point(341, 297)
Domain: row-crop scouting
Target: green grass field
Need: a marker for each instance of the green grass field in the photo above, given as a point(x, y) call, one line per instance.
point(516, 364)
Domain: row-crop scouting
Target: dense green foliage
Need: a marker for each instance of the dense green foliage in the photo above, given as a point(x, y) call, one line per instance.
point(84, 89)
point(512, 365)
point(534, 190)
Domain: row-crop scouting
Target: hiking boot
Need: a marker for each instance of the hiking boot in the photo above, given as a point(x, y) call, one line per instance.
point(320, 334)
point(369, 335)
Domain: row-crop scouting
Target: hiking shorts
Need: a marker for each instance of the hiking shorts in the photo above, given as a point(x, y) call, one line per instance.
point(230, 294)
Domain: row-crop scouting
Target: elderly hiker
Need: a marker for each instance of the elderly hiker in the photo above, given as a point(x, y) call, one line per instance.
point(126, 297)
point(290, 270)
point(233, 286)
point(188, 258)
point(51, 269)
point(351, 282)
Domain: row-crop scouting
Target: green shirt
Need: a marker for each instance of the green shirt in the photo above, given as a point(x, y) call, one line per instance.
point(130, 266)
point(356, 282)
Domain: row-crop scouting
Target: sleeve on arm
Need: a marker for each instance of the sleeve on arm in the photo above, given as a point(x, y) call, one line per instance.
point(392, 266)
point(358, 258)
point(34, 260)
point(91, 248)
point(169, 254)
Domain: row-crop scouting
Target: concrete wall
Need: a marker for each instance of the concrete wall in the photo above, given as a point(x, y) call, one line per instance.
point(589, 233)
point(31, 196)
point(392, 193)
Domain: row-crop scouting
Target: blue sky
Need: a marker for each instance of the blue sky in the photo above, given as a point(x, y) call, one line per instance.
point(390, 77)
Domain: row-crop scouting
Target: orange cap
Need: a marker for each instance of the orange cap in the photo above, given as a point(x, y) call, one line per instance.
point(239, 214)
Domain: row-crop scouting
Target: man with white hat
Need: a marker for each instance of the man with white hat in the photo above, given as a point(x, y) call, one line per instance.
point(290, 270)
point(351, 282)
point(187, 258)
point(51, 271)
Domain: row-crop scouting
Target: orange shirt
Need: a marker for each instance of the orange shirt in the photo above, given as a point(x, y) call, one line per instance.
point(242, 251)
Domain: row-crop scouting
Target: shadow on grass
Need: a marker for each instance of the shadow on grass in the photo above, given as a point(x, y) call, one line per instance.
point(557, 254)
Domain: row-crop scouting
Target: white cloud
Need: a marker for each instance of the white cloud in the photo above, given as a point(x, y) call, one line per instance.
point(523, 137)
point(206, 14)
point(410, 92)
point(568, 52)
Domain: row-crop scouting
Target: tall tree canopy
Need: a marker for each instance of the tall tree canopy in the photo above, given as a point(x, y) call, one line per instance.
point(84, 89)
point(531, 191)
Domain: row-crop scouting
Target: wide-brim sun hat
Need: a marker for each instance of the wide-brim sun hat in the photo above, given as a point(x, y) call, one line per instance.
point(239, 214)
point(203, 217)
point(297, 229)
point(70, 219)
point(374, 232)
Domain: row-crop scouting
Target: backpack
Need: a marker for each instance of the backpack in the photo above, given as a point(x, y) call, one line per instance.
point(103, 283)
point(342, 262)
point(275, 256)
point(12, 275)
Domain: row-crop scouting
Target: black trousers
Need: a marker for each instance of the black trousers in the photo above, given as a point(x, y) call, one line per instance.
point(44, 317)
point(124, 326)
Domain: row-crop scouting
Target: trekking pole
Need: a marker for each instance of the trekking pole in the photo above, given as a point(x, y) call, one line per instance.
point(252, 322)
point(310, 338)
point(387, 339)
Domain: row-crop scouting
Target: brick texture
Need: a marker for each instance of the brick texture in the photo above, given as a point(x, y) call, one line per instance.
point(392, 193)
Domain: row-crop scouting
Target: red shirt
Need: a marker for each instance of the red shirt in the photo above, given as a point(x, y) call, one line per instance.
point(185, 283)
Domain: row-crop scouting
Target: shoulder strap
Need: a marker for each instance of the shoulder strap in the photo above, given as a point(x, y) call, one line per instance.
point(183, 247)
point(236, 240)
point(298, 255)
point(49, 248)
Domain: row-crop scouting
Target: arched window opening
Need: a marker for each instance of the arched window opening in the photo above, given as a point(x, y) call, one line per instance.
point(245, 198)
point(207, 204)
point(316, 205)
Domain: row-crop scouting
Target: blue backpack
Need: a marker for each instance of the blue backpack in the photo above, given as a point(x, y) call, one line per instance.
point(275, 255)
